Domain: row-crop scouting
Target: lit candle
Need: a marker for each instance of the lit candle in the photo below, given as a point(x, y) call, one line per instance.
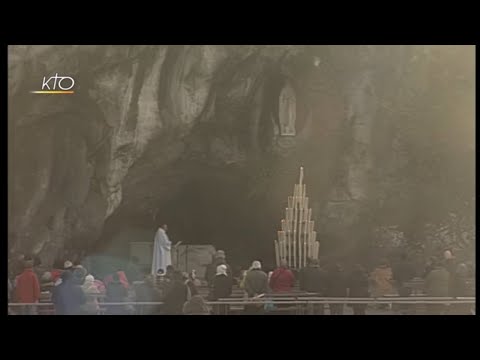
point(289, 247)
point(300, 252)
point(294, 251)
point(277, 255)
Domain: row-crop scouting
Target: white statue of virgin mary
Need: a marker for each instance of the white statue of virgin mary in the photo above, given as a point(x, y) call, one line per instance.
point(287, 111)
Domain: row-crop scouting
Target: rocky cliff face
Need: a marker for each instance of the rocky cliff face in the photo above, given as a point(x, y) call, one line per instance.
point(192, 135)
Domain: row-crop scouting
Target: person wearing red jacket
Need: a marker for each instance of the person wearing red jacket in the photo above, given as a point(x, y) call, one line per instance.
point(56, 273)
point(282, 279)
point(27, 289)
point(121, 275)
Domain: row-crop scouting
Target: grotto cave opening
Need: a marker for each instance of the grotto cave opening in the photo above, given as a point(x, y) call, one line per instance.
point(210, 208)
point(186, 135)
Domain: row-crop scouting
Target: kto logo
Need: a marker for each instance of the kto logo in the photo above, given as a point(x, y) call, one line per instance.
point(56, 85)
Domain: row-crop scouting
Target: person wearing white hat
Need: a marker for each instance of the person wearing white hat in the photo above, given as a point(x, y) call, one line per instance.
point(91, 292)
point(218, 259)
point(256, 281)
point(222, 287)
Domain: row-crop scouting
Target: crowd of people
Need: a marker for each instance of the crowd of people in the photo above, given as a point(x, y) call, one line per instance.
point(74, 290)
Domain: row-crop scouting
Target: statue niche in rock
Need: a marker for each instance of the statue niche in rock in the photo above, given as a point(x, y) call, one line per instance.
point(287, 111)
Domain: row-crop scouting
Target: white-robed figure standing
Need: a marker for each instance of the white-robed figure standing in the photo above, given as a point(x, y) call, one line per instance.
point(162, 255)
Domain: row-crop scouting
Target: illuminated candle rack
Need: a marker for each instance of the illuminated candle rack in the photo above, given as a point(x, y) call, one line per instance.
point(297, 241)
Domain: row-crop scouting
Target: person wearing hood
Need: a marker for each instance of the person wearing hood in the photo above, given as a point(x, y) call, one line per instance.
point(222, 284)
point(91, 307)
point(68, 297)
point(282, 279)
point(79, 274)
point(222, 287)
point(256, 281)
point(196, 306)
point(256, 284)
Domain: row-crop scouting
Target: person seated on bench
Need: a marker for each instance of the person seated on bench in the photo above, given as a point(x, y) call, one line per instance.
point(256, 284)
point(222, 288)
point(313, 279)
point(282, 279)
point(218, 259)
point(437, 285)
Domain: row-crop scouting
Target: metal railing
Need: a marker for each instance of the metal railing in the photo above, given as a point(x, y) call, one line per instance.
point(300, 303)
